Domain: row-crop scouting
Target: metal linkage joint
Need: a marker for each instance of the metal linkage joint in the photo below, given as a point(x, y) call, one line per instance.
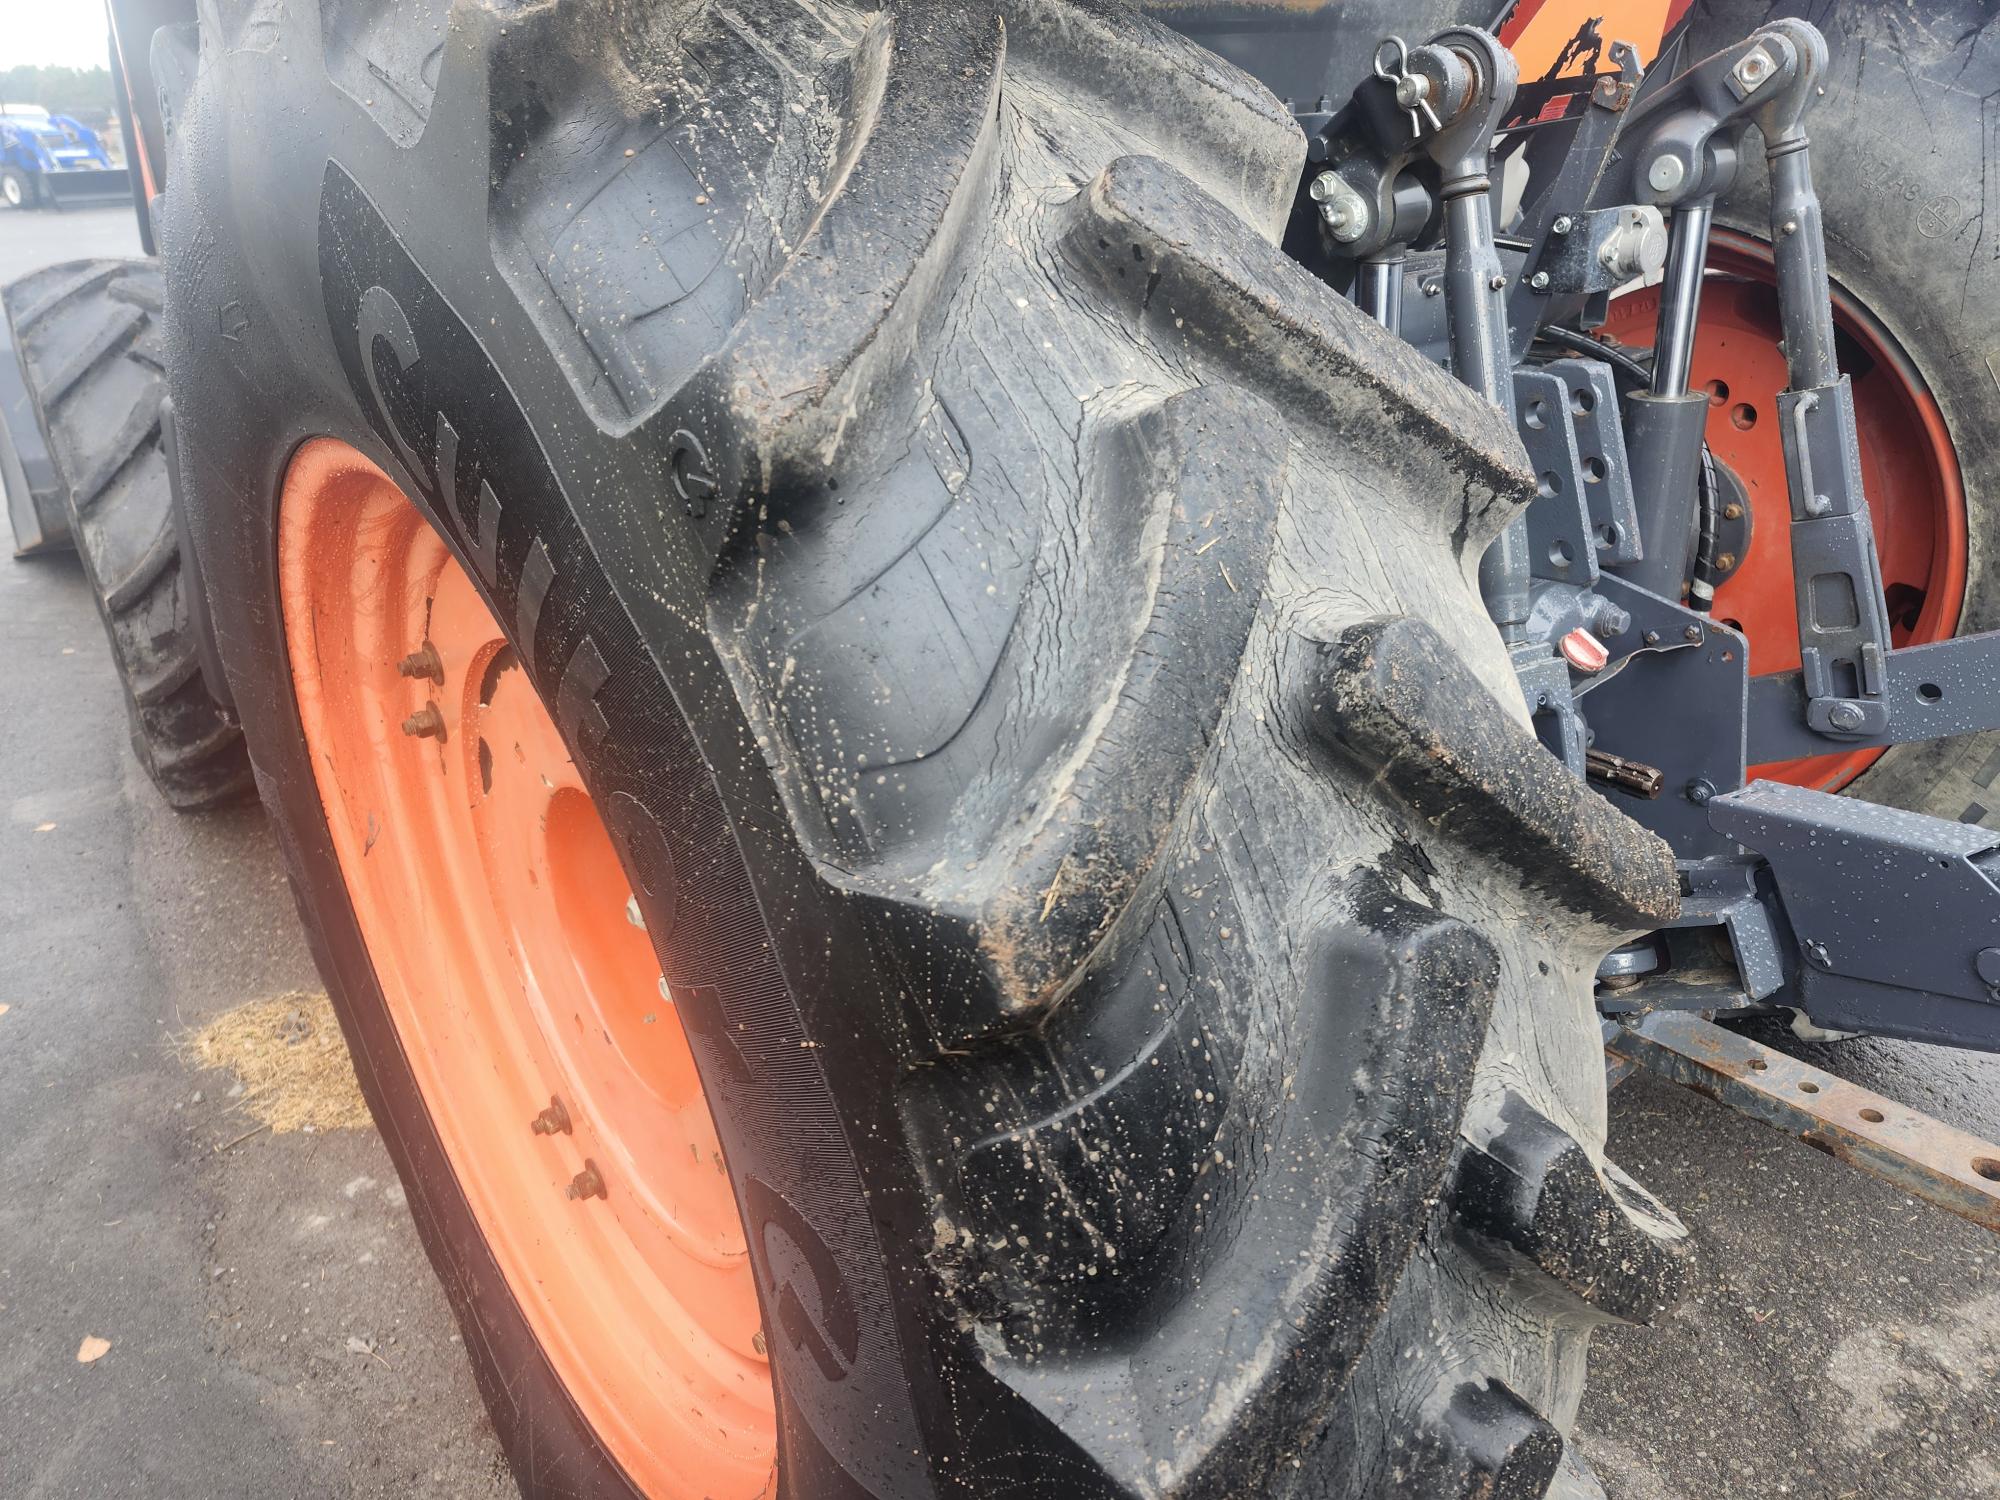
point(1680, 142)
point(1413, 89)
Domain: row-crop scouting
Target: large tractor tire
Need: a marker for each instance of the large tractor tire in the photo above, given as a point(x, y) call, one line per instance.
point(1899, 148)
point(882, 721)
point(89, 342)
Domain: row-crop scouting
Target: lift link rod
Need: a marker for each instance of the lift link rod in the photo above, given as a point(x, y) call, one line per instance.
point(1664, 423)
point(1378, 288)
point(1836, 573)
point(1480, 76)
point(1682, 146)
point(1680, 297)
point(1852, 688)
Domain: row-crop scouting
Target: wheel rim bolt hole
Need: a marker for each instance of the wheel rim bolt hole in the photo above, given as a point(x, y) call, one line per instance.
point(588, 1183)
point(425, 724)
point(422, 662)
point(552, 1121)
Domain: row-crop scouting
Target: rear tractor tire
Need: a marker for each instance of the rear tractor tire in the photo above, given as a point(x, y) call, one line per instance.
point(89, 342)
point(851, 516)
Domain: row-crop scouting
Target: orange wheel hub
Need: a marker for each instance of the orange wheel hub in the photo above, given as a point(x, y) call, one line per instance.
point(1910, 472)
point(523, 987)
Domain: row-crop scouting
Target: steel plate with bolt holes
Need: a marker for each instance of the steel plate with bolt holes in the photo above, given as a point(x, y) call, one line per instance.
point(1673, 698)
point(1600, 446)
point(1936, 689)
point(1920, 1155)
point(1561, 543)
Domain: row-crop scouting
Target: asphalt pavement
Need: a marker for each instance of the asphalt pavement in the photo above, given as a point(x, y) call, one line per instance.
point(1842, 1340)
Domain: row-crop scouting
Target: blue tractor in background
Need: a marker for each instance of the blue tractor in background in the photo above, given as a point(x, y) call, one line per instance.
point(54, 160)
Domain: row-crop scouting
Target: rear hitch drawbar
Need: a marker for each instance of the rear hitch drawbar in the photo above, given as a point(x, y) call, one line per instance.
point(1924, 1157)
point(1858, 917)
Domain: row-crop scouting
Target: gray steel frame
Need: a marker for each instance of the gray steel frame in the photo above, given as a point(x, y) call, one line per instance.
point(1860, 917)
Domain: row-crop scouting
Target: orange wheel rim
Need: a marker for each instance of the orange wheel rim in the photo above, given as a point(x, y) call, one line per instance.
point(1909, 469)
point(524, 991)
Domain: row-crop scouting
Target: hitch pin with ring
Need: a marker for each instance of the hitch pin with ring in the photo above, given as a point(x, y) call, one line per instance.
point(1413, 90)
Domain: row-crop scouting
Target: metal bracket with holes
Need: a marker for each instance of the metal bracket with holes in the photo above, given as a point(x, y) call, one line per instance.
point(1924, 1157)
point(1926, 692)
point(1674, 697)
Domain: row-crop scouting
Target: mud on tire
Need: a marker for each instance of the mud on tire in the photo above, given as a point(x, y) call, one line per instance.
point(1023, 629)
point(90, 348)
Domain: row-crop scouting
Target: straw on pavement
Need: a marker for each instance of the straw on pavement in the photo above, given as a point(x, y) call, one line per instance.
point(291, 1059)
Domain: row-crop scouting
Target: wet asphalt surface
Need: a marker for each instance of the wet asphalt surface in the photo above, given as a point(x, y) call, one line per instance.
point(1842, 1340)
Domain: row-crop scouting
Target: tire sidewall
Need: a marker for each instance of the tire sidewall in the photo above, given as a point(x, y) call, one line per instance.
point(262, 361)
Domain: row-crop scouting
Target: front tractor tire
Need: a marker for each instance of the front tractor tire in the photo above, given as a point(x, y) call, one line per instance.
point(17, 189)
point(832, 545)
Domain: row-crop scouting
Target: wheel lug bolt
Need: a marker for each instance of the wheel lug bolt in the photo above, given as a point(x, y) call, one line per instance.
point(422, 662)
point(586, 1184)
point(552, 1121)
point(426, 723)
